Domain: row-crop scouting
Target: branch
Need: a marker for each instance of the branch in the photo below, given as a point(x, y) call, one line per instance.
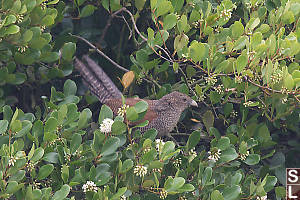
point(101, 53)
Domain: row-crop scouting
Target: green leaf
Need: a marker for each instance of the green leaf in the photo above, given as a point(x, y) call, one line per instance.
point(241, 62)
point(178, 183)
point(68, 51)
point(105, 112)
point(48, 20)
point(288, 17)
point(118, 127)
point(182, 24)
point(65, 173)
point(197, 51)
point(139, 4)
point(223, 143)
point(216, 195)
point(232, 193)
point(26, 127)
point(141, 106)
point(18, 176)
point(3, 126)
point(9, 19)
point(253, 23)
point(51, 157)
point(49, 57)
point(252, 159)
point(236, 179)
point(237, 29)
point(12, 29)
point(193, 140)
point(45, 171)
point(87, 11)
point(51, 125)
point(288, 81)
point(206, 175)
point(38, 154)
point(84, 116)
point(149, 156)
point(280, 192)
point(208, 119)
point(75, 142)
point(120, 192)
point(62, 193)
point(110, 146)
point(170, 21)
point(186, 188)
point(180, 42)
point(163, 7)
point(228, 155)
point(12, 187)
point(228, 109)
point(256, 39)
point(270, 183)
point(126, 166)
point(70, 88)
point(240, 43)
point(131, 114)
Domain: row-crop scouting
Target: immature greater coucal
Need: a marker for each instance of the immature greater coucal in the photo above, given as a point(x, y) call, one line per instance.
point(162, 114)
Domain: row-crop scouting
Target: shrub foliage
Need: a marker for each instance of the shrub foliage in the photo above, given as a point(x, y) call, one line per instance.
point(238, 59)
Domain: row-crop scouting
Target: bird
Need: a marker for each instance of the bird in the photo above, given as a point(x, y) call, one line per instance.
point(163, 114)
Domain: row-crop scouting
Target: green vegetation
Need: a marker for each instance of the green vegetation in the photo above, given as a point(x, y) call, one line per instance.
point(239, 59)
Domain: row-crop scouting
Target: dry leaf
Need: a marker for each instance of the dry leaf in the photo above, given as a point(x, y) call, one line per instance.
point(127, 79)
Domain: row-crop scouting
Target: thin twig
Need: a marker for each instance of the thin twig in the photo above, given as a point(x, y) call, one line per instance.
point(101, 53)
point(108, 24)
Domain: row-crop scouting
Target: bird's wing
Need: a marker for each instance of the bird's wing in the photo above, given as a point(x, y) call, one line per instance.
point(97, 80)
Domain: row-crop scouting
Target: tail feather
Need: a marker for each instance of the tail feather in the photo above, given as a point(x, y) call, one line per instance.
point(97, 80)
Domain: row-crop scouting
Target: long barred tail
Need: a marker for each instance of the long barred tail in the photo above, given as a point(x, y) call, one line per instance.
point(97, 80)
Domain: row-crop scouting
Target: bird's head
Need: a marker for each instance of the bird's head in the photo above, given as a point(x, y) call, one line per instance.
point(178, 100)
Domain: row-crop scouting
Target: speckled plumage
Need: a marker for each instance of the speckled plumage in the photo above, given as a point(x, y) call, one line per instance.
point(162, 114)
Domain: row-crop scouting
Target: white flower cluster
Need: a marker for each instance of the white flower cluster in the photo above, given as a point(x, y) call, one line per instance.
point(262, 198)
point(20, 18)
point(122, 110)
point(210, 80)
point(214, 156)
point(44, 5)
point(233, 114)
point(238, 79)
point(43, 28)
point(146, 149)
point(276, 76)
point(30, 166)
point(244, 155)
point(123, 197)
point(192, 154)
point(177, 162)
point(140, 170)
point(158, 170)
point(12, 161)
point(182, 198)
point(90, 186)
point(226, 14)
point(284, 100)
point(219, 89)
point(163, 194)
point(159, 144)
point(22, 49)
point(248, 103)
point(106, 125)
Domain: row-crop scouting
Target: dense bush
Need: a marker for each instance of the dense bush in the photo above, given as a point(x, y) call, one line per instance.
point(238, 59)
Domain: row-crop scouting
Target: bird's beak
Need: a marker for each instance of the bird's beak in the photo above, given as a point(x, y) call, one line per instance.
point(194, 103)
